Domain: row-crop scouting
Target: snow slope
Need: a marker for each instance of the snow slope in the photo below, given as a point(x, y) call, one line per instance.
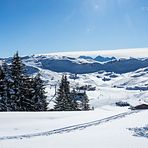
point(111, 133)
point(109, 87)
point(47, 121)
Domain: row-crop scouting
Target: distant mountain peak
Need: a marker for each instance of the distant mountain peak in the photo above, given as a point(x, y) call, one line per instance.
point(86, 57)
point(104, 59)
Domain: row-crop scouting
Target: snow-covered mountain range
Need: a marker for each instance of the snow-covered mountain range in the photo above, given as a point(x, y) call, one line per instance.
point(111, 75)
point(77, 63)
point(89, 62)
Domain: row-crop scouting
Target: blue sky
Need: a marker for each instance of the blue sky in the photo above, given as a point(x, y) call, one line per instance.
point(42, 26)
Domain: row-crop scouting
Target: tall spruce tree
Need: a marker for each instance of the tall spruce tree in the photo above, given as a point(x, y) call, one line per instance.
point(63, 101)
point(17, 69)
point(20, 83)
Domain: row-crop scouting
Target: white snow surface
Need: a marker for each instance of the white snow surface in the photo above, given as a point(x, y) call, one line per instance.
point(114, 133)
point(106, 92)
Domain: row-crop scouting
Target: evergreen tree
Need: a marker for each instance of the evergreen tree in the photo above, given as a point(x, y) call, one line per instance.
point(17, 76)
point(38, 94)
point(63, 101)
point(85, 102)
point(73, 95)
point(3, 91)
point(19, 92)
point(27, 92)
point(20, 96)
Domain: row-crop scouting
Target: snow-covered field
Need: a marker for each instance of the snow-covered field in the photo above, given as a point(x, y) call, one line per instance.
point(90, 129)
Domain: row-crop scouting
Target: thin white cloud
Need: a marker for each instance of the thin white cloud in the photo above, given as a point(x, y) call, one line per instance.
point(144, 8)
point(95, 7)
point(99, 5)
point(119, 53)
point(96, 4)
point(123, 2)
point(129, 21)
point(91, 10)
point(70, 15)
point(90, 28)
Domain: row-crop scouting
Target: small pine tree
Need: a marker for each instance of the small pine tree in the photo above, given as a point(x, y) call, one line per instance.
point(63, 101)
point(27, 95)
point(73, 100)
point(38, 94)
point(85, 102)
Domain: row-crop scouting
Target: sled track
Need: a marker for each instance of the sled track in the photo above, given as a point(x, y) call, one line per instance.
point(69, 128)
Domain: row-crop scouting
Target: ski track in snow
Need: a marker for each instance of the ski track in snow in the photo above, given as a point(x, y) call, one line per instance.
point(70, 128)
